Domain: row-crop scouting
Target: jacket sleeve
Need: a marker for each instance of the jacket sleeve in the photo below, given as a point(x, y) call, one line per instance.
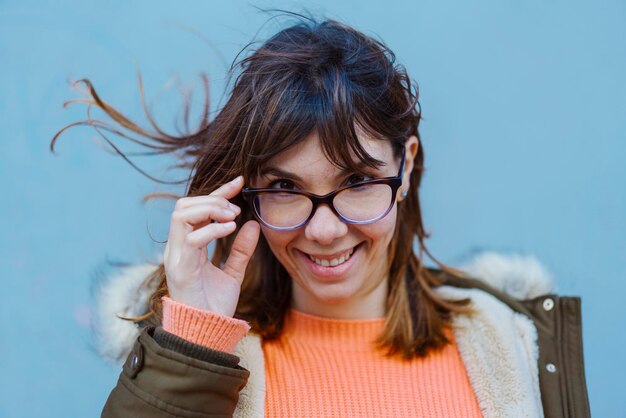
point(167, 376)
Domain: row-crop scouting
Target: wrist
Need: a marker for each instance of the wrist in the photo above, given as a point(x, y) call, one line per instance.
point(202, 327)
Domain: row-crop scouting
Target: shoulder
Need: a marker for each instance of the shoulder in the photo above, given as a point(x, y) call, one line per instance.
point(501, 280)
point(499, 285)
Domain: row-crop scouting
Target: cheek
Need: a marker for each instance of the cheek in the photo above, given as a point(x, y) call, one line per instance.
point(278, 241)
point(382, 231)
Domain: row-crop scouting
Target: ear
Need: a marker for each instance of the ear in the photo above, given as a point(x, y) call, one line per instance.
point(410, 147)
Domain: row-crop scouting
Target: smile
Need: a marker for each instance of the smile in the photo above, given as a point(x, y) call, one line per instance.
point(333, 262)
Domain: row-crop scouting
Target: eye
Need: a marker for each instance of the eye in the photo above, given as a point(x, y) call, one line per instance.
point(282, 184)
point(357, 178)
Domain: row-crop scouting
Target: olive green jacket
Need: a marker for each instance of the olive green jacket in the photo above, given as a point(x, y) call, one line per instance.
point(533, 343)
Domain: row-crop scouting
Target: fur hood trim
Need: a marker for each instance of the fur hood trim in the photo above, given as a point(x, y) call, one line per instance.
point(125, 293)
point(520, 276)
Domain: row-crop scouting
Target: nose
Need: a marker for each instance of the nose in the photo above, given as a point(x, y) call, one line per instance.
point(324, 227)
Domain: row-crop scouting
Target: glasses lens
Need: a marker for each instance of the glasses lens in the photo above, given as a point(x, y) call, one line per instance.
point(364, 203)
point(282, 210)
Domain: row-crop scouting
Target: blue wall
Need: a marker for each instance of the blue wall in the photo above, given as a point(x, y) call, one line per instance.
point(524, 133)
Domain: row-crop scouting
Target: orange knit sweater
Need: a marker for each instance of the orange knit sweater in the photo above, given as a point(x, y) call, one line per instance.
point(322, 367)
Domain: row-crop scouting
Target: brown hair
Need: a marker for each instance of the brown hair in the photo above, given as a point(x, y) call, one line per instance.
point(324, 77)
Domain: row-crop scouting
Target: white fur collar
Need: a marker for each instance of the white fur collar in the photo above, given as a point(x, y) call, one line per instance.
point(500, 339)
point(500, 353)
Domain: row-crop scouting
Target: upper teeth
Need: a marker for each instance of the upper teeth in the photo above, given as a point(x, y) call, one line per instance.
point(334, 261)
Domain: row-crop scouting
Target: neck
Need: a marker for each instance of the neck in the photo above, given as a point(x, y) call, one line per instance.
point(371, 304)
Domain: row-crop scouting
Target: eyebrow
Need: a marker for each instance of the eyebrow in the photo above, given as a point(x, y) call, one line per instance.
point(277, 172)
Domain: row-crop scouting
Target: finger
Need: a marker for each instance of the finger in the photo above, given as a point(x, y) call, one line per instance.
point(242, 250)
point(187, 202)
point(204, 213)
point(230, 189)
point(197, 240)
point(184, 221)
point(178, 230)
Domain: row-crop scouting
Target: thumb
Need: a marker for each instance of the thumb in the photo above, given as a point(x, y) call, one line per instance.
point(242, 249)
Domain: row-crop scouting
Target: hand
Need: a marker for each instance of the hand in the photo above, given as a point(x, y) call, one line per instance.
point(191, 277)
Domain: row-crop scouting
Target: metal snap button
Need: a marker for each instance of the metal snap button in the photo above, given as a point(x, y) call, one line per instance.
point(551, 368)
point(135, 361)
point(548, 304)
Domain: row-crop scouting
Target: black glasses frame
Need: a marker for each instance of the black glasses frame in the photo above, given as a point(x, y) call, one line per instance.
point(249, 194)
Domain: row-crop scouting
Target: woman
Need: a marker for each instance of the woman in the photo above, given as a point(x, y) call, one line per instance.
point(314, 302)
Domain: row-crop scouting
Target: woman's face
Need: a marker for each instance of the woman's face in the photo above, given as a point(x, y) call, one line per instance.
point(357, 281)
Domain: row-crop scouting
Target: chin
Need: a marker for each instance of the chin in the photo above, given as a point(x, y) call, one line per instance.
point(331, 293)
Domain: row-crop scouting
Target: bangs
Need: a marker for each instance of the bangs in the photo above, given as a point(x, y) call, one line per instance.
point(286, 111)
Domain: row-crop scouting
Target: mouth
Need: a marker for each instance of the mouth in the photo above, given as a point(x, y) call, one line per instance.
point(333, 262)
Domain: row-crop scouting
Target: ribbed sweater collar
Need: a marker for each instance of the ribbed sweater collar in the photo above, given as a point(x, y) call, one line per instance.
point(353, 334)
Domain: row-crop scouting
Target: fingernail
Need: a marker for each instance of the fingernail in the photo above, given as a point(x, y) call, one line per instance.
point(236, 180)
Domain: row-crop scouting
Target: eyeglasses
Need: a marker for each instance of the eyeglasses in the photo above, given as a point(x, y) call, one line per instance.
point(360, 203)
